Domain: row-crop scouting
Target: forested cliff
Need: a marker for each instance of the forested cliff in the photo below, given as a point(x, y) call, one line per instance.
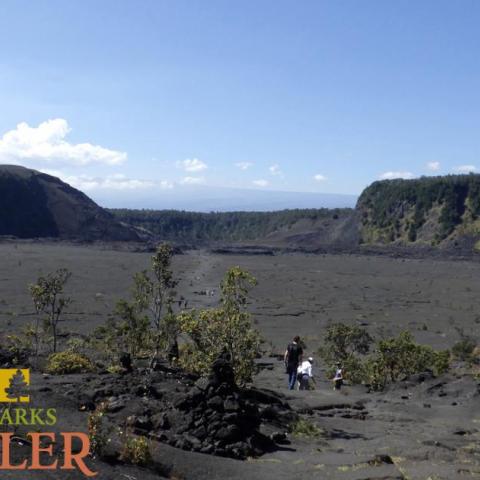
point(429, 210)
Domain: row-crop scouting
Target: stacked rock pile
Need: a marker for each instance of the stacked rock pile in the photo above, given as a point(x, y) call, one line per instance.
point(209, 415)
point(214, 417)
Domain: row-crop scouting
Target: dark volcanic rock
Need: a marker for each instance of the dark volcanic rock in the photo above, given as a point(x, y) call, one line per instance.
point(37, 205)
point(219, 419)
point(126, 361)
point(209, 415)
point(10, 358)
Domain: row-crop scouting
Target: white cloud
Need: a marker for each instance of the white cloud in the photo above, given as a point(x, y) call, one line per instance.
point(433, 166)
point(46, 144)
point(244, 165)
point(192, 165)
point(116, 181)
point(111, 182)
point(465, 168)
point(393, 175)
point(275, 169)
point(319, 177)
point(261, 183)
point(192, 180)
point(165, 184)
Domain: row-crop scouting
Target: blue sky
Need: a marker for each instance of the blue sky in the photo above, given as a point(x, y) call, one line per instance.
point(310, 96)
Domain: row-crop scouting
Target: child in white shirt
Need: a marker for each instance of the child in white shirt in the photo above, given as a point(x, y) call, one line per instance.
point(304, 374)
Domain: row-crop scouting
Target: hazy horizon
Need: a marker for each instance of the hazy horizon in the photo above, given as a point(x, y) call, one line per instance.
point(228, 200)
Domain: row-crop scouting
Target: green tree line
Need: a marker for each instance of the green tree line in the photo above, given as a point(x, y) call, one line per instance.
point(385, 203)
point(175, 225)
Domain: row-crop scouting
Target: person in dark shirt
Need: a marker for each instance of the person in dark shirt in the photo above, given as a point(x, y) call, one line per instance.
point(338, 378)
point(292, 358)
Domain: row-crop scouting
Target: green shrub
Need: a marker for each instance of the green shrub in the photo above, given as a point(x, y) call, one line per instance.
point(225, 329)
point(463, 349)
point(194, 360)
point(346, 344)
point(392, 359)
point(68, 362)
point(97, 433)
point(18, 346)
point(115, 369)
point(353, 369)
point(441, 362)
point(136, 450)
point(77, 345)
point(125, 331)
point(304, 428)
point(400, 356)
point(343, 340)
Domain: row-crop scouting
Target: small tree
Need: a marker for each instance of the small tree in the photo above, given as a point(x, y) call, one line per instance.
point(392, 358)
point(463, 350)
point(18, 387)
point(346, 344)
point(125, 331)
point(343, 341)
point(154, 295)
point(47, 296)
point(225, 329)
point(35, 333)
point(400, 356)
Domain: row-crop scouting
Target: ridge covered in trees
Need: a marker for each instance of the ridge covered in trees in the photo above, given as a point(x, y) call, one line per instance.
point(428, 209)
point(174, 225)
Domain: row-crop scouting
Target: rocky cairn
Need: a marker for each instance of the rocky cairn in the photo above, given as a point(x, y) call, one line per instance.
point(207, 415)
point(215, 418)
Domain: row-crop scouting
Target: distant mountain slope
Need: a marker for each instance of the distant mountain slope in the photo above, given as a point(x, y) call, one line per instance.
point(434, 211)
point(38, 205)
point(307, 228)
point(331, 229)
